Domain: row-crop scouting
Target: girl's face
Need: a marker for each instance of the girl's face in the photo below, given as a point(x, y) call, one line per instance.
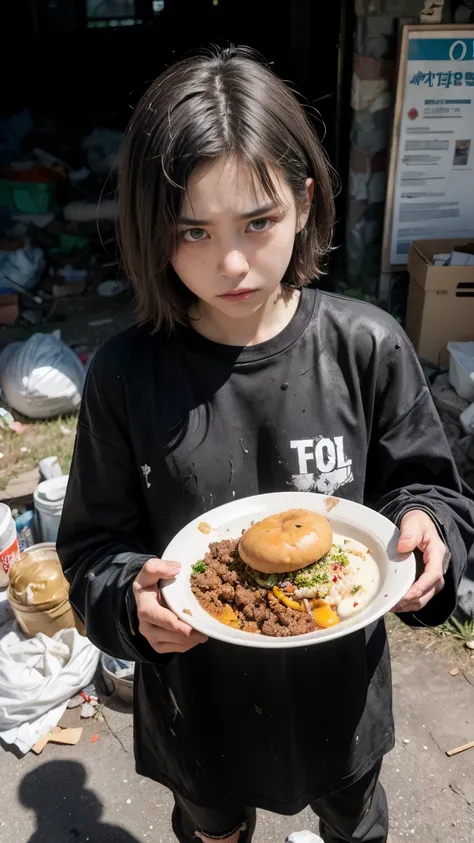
point(234, 243)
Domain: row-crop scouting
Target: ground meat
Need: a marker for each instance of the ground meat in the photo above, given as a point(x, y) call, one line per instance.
point(209, 581)
point(227, 592)
point(227, 581)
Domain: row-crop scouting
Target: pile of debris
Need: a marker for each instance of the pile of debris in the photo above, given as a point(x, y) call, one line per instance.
point(57, 235)
point(451, 407)
point(457, 415)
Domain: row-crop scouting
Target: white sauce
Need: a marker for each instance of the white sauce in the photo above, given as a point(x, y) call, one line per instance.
point(366, 574)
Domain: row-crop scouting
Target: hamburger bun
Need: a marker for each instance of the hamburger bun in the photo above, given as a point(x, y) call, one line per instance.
point(286, 542)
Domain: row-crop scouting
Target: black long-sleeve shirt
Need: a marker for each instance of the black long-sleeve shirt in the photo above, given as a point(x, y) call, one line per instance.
point(171, 427)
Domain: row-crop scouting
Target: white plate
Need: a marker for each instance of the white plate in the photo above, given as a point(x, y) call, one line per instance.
point(227, 522)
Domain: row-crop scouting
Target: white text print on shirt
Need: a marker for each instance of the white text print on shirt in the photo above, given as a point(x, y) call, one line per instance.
point(322, 465)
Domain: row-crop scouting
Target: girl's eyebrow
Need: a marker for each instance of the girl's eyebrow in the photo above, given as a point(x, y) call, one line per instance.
point(258, 212)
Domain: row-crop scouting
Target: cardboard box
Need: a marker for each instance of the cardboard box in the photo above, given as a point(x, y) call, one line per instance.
point(440, 301)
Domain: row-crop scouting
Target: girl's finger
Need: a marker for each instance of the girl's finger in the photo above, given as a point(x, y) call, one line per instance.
point(161, 636)
point(430, 583)
point(414, 605)
point(432, 576)
point(152, 612)
point(155, 570)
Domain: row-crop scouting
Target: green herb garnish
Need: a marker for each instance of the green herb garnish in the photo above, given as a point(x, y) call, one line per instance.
point(338, 556)
point(356, 589)
point(200, 567)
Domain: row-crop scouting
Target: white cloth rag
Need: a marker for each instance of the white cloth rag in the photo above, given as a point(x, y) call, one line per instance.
point(38, 676)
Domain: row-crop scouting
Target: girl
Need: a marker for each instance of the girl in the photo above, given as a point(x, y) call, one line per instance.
point(240, 380)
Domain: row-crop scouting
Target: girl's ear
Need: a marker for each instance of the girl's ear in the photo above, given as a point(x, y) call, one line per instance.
point(303, 215)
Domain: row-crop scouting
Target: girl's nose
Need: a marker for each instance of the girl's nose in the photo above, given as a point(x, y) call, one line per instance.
point(234, 264)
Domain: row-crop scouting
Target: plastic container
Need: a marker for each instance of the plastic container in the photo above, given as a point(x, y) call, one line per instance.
point(123, 687)
point(49, 499)
point(39, 593)
point(9, 547)
point(24, 524)
point(467, 420)
point(461, 368)
point(26, 197)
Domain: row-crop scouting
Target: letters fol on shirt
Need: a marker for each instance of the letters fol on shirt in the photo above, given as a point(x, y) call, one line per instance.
point(322, 465)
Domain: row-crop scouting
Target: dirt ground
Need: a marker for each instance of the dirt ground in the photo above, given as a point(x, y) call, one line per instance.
point(91, 793)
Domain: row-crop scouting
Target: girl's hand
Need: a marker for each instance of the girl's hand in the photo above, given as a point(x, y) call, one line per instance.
point(419, 533)
point(161, 628)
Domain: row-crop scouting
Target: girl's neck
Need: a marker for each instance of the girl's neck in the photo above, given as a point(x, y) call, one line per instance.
point(259, 327)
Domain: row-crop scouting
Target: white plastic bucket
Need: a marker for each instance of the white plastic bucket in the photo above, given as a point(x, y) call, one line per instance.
point(9, 548)
point(461, 368)
point(49, 500)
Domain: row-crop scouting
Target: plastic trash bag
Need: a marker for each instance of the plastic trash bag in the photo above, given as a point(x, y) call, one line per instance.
point(24, 267)
point(41, 378)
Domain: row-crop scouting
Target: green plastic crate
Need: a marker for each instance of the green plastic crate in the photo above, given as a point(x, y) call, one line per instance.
point(26, 197)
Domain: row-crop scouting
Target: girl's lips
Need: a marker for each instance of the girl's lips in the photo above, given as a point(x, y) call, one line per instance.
point(240, 295)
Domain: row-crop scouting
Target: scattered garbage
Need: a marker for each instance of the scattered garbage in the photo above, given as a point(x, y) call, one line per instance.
point(461, 368)
point(109, 289)
point(6, 418)
point(99, 323)
point(21, 269)
point(30, 187)
point(24, 524)
point(75, 701)
point(49, 467)
point(17, 427)
point(9, 547)
point(49, 500)
point(89, 692)
point(41, 378)
point(69, 737)
point(39, 593)
point(118, 677)
point(87, 711)
point(70, 242)
point(303, 837)
point(37, 677)
point(74, 288)
point(459, 749)
point(70, 274)
point(467, 420)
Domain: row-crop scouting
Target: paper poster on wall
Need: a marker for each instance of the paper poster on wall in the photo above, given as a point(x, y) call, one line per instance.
point(431, 184)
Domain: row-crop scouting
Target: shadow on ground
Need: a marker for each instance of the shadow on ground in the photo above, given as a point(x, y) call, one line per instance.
point(65, 809)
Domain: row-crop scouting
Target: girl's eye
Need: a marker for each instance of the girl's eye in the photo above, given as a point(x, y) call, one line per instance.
point(261, 225)
point(194, 235)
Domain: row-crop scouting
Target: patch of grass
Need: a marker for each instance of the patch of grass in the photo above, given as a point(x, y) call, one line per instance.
point(460, 631)
point(41, 439)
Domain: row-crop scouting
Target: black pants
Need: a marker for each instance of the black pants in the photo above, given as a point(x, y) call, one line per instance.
point(357, 814)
